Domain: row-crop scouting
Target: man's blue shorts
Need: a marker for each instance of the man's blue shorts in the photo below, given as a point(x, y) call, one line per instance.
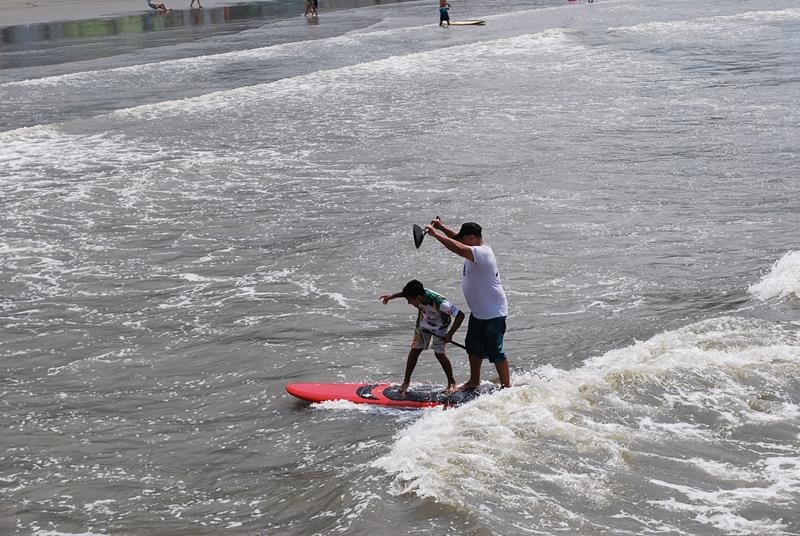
point(485, 338)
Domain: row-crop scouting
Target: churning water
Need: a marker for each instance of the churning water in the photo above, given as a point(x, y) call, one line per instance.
point(192, 219)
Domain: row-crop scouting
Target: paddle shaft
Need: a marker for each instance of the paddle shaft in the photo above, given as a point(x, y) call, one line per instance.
point(439, 336)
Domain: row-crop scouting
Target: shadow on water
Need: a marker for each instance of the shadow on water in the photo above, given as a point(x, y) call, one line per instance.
point(176, 24)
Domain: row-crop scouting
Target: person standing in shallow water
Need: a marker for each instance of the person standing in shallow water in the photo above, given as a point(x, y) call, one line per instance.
point(444, 13)
point(485, 297)
point(311, 8)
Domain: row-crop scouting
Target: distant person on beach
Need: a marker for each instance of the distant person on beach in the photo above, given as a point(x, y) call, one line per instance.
point(311, 8)
point(191, 4)
point(485, 297)
point(444, 13)
point(434, 317)
point(158, 7)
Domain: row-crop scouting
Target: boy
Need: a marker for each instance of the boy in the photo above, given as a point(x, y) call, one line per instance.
point(435, 314)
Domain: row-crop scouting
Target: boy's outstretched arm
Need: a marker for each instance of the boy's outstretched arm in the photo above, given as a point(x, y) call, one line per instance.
point(386, 297)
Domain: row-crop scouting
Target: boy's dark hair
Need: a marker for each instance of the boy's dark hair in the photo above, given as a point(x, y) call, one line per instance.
point(413, 289)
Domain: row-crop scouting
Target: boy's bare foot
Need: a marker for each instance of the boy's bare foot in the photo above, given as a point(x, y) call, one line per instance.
point(468, 387)
point(451, 388)
point(403, 389)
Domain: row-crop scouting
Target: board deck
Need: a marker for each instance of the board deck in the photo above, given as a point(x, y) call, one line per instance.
point(384, 394)
point(468, 23)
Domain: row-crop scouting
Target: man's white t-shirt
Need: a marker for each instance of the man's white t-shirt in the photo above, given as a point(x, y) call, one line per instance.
point(481, 285)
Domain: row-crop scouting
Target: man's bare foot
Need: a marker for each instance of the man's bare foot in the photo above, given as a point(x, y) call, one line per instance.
point(468, 387)
point(451, 388)
point(403, 389)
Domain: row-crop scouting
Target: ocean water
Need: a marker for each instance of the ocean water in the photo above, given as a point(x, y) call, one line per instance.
point(200, 208)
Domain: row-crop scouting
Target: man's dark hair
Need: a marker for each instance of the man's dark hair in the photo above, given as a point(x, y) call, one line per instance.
point(469, 228)
point(413, 289)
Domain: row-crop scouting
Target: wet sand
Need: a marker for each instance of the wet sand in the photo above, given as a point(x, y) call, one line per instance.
point(16, 12)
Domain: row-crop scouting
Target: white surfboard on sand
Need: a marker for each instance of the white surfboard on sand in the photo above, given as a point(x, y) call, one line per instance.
point(475, 22)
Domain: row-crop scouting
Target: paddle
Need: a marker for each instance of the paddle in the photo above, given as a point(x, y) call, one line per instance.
point(440, 337)
point(419, 234)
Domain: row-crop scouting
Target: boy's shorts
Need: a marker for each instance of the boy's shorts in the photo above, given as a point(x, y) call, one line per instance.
point(423, 341)
point(485, 338)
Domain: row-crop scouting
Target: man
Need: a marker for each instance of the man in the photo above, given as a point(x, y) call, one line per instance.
point(485, 297)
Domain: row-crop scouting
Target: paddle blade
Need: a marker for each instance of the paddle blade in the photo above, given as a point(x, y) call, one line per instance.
point(419, 234)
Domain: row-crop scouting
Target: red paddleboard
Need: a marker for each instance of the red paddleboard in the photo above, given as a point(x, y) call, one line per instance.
point(384, 394)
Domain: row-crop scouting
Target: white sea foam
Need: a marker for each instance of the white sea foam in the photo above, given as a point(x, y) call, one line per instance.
point(619, 402)
point(27, 134)
point(725, 341)
point(27, 155)
point(720, 21)
point(723, 470)
point(778, 479)
point(195, 278)
point(782, 281)
point(447, 455)
point(196, 65)
point(339, 405)
point(41, 532)
point(199, 65)
point(310, 86)
point(27, 152)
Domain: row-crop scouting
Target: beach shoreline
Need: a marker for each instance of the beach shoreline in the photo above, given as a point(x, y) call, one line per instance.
point(23, 12)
